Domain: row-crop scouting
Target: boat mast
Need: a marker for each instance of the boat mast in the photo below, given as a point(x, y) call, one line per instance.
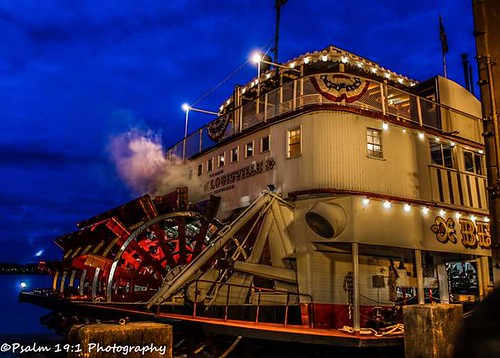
point(277, 4)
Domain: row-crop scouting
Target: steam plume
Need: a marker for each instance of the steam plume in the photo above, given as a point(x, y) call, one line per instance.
point(140, 162)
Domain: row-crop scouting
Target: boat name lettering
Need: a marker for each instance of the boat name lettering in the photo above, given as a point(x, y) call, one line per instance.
point(239, 174)
point(473, 233)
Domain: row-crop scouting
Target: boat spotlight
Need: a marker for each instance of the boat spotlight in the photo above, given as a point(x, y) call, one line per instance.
point(23, 285)
point(326, 219)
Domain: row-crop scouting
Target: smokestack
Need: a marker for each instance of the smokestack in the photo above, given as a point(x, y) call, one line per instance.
point(471, 79)
point(465, 63)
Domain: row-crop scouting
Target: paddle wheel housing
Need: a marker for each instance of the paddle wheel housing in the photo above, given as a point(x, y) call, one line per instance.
point(125, 254)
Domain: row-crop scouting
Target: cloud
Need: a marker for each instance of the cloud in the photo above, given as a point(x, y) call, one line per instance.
point(34, 154)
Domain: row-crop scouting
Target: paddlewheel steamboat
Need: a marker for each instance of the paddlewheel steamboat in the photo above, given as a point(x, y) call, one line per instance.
point(330, 192)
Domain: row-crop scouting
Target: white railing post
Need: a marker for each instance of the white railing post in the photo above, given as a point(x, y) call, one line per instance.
point(419, 111)
point(382, 99)
point(266, 98)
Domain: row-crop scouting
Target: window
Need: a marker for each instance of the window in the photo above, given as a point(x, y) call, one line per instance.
point(441, 154)
point(200, 169)
point(473, 162)
point(210, 165)
point(264, 144)
point(235, 155)
point(221, 158)
point(248, 149)
point(294, 143)
point(374, 143)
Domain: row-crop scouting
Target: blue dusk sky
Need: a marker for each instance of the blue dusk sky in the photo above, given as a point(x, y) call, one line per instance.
point(76, 74)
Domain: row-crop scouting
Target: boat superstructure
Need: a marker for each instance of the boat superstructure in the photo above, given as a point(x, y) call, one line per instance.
point(346, 192)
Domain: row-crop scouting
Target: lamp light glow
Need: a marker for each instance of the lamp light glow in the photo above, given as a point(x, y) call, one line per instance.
point(256, 57)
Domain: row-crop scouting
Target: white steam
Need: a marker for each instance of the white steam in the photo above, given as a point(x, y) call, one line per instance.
point(140, 161)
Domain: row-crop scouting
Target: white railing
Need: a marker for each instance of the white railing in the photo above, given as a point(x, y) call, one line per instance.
point(300, 93)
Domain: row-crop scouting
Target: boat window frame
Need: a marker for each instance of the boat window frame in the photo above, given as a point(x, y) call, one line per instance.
point(262, 150)
point(221, 159)
point(252, 146)
point(371, 140)
point(477, 168)
point(289, 153)
point(231, 157)
point(444, 147)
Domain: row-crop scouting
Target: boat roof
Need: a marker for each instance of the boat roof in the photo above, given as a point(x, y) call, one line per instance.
point(324, 60)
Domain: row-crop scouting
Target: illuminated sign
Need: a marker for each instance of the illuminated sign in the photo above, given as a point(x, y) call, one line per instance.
point(472, 233)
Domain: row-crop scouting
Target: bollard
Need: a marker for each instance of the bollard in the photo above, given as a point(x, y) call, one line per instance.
point(430, 329)
point(137, 339)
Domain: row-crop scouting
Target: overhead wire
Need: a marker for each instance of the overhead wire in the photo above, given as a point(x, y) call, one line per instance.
point(268, 47)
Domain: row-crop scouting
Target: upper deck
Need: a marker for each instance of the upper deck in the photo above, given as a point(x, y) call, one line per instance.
point(338, 106)
point(438, 105)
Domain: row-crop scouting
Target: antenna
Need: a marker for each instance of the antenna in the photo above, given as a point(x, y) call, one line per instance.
point(277, 4)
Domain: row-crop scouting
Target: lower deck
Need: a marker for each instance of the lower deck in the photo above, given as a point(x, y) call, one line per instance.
point(297, 333)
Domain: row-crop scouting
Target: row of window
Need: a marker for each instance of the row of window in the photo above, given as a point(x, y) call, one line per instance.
point(441, 153)
point(234, 154)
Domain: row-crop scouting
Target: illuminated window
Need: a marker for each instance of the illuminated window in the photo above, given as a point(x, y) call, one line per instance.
point(210, 165)
point(264, 144)
point(473, 162)
point(200, 169)
point(221, 158)
point(248, 149)
point(294, 143)
point(374, 143)
point(234, 155)
point(441, 154)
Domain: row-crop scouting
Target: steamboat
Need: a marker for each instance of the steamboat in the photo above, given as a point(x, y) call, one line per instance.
point(328, 193)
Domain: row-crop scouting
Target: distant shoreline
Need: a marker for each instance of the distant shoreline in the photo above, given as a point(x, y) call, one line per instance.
point(21, 269)
point(25, 273)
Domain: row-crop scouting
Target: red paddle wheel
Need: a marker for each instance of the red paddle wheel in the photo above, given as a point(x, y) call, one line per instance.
point(125, 254)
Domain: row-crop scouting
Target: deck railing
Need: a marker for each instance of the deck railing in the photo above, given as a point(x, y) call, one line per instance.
point(300, 93)
point(304, 301)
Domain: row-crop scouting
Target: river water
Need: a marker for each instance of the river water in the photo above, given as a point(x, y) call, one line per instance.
point(21, 318)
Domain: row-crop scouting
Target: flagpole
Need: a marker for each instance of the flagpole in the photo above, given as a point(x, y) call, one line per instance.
point(444, 44)
point(444, 65)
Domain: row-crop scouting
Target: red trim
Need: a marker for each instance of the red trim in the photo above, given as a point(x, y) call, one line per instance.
point(343, 96)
